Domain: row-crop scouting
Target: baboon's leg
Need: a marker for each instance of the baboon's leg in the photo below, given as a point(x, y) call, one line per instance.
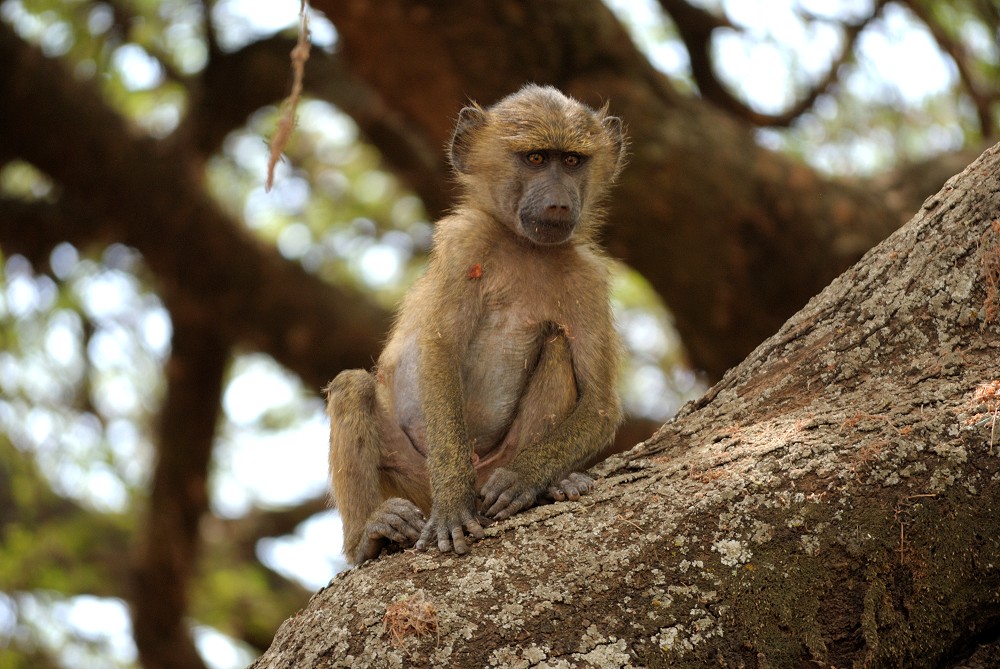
point(376, 476)
point(550, 397)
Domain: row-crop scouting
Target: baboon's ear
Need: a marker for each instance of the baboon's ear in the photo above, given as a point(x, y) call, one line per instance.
point(616, 131)
point(470, 120)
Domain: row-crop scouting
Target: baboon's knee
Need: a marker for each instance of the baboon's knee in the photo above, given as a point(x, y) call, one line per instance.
point(351, 391)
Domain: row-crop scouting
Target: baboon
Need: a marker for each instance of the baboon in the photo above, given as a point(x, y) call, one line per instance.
point(499, 375)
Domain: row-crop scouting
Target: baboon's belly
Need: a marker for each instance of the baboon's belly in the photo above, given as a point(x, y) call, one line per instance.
point(494, 376)
point(496, 370)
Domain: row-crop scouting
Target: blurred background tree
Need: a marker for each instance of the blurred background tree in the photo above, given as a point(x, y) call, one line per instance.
point(166, 325)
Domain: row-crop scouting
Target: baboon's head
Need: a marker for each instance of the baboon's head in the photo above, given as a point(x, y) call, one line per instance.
point(538, 161)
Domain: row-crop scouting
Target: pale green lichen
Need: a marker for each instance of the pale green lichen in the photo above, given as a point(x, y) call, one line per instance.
point(732, 553)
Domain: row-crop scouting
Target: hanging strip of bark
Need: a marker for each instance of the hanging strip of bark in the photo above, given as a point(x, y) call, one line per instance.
point(286, 123)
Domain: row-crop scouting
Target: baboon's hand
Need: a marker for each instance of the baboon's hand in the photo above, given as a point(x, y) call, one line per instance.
point(448, 527)
point(397, 520)
point(505, 493)
point(572, 487)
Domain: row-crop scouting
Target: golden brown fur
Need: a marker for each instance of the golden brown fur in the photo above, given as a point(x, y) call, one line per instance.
point(499, 374)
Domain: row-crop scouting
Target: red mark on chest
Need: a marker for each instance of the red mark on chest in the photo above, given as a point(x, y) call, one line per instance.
point(474, 272)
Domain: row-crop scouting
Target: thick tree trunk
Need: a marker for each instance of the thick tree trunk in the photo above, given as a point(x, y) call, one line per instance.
point(831, 502)
point(734, 237)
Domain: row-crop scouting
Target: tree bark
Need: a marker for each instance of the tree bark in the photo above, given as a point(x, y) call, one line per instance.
point(831, 502)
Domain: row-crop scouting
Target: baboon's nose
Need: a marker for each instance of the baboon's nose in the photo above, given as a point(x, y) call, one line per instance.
point(557, 213)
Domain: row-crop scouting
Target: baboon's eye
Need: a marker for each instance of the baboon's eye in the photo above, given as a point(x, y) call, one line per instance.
point(572, 160)
point(535, 158)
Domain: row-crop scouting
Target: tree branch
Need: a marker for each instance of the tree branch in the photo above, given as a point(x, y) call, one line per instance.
point(981, 99)
point(829, 503)
point(243, 533)
point(34, 228)
point(234, 85)
point(169, 539)
point(733, 237)
point(253, 295)
point(695, 26)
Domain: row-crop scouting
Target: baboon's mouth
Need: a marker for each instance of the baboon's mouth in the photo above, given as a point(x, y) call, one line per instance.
point(548, 231)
